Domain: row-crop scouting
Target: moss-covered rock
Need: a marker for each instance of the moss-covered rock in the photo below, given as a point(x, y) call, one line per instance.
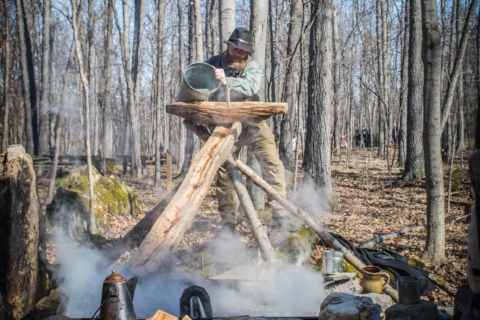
point(72, 201)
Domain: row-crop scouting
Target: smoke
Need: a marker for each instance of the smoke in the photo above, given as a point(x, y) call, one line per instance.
point(313, 199)
point(242, 285)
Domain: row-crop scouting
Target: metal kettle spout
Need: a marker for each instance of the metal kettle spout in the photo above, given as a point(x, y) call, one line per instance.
point(131, 285)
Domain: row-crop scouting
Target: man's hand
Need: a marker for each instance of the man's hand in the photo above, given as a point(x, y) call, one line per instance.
point(220, 75)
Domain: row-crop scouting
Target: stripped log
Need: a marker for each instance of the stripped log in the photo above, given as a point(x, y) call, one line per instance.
point(330, 240)
point(170, 227)
point(210, 112)
point(258, 230)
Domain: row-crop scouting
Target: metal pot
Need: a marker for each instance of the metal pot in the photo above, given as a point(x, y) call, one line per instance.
point(117, 298)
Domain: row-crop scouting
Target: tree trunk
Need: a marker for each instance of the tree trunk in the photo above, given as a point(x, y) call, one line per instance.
point(402, 128)
point(198, 32)
point(106, 108)
point(129, 76)
point(60, 123)
point(181, 62)
point(6, 79)
point(432, 54)
point(290, 89)
point(159, 108)
point(43, 147)
point(415, 164)
point(227, 20)
point(336, 89)
point(258, 28)
point(19, 234)
point(477, 80)
point(170, 227)
point(28, 93)
point(93, 224)
point(317, 146)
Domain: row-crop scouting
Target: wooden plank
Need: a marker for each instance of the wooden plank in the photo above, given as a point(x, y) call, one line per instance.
point(212, 112)
point(177, 217)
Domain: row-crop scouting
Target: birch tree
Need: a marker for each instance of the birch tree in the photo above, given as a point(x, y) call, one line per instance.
point(432, 54)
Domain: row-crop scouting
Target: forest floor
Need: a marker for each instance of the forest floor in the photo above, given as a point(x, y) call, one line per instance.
point(371, 200)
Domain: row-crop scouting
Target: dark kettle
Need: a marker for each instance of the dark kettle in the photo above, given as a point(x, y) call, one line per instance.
point(117, 298)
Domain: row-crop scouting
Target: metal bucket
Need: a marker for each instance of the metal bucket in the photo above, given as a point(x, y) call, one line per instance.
point(332, 262)
point(198, 83)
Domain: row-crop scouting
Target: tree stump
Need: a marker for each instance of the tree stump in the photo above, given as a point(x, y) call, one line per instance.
point(19, 231)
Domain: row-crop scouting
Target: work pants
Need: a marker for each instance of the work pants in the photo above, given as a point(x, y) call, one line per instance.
point(261, 143)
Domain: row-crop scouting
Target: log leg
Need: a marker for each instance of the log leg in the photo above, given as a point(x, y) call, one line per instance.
point(177, 217)
point(259, 232)
point(308, 220)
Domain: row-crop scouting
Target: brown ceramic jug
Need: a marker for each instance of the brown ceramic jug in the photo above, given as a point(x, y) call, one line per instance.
point(374, 279)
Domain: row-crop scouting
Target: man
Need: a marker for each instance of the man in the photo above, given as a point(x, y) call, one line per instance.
point(239, 72)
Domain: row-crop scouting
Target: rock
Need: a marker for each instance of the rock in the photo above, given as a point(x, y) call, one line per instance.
point(427, 309)
point(69, 210)
point(20, 274)
point(343, 306)
point(385, 301)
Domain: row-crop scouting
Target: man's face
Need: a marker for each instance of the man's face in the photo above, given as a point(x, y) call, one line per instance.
point(235, 53)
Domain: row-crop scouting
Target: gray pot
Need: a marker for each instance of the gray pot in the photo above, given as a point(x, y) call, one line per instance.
point(198, 83)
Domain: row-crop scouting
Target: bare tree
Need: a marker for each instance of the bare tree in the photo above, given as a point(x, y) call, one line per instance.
point(415, 164)
point(6, 77)
point(457, 65)
point(402, 128)
point(227, 19)
point(129, 77)
point(28, 88)
point(105, 98)
point(159, 101)
point(45, 84)
point(316, 163)
point(432, 54)
point(78, 53)
point(292, 80)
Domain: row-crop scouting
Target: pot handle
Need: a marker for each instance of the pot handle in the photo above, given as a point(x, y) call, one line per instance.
point(386, 277)
point(422, 290)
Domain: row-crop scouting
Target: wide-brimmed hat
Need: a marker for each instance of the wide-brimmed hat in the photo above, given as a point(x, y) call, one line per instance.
point(241, 38)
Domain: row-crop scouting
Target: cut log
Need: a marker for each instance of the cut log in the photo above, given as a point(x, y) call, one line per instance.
point(209, 112)
point(170, 227)
point(162, 315)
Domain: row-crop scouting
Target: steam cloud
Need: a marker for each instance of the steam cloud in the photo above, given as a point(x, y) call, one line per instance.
point(286, 291)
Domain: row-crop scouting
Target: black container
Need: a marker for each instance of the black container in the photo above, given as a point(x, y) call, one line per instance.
point(117, 298)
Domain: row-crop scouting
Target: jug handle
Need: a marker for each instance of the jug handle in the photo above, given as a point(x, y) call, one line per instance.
point(386, 277)
point(424, 286)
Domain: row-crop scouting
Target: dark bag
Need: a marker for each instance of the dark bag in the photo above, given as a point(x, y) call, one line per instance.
point(388, 260)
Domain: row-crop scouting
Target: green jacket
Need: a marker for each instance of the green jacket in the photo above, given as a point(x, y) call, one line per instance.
point(245, 83)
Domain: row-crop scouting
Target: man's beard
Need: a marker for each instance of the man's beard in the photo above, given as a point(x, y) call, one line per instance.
point(236, 64)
